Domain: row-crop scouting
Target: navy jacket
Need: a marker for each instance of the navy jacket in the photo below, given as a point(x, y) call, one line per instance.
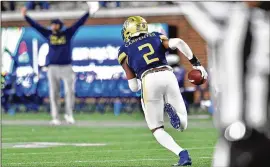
point(60, 43)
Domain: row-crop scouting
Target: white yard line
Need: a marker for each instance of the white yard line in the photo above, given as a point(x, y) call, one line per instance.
point(101, 124)
point(24, 138)
point(7, 138)
point(75, 137)
point(100, 161)
point(93, 151)
point(34, 131)
point(8, 145)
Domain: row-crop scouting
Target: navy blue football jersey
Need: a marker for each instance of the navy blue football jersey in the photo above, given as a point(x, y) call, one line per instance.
point(144, 52)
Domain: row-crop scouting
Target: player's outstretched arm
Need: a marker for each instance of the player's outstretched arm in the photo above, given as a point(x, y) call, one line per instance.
point(177, 43)
point(44, 31)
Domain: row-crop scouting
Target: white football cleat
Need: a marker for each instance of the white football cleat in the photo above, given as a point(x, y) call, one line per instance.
point(55, 122)
point(69, 119)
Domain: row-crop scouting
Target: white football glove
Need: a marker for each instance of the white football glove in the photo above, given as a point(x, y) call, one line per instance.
point(203, 71)
point(93, 7)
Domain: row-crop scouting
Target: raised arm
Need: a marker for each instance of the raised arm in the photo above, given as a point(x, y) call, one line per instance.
point(71, 30)
point(177, 43)
point(44, 31)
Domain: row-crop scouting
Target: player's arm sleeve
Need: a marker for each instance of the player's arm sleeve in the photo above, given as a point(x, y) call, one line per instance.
point(71, 30)
point(121, 56)
point(133, 83)
point(185, 49)
point(44, 31)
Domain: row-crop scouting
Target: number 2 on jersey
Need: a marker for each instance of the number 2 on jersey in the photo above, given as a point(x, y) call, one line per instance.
point(146, 55)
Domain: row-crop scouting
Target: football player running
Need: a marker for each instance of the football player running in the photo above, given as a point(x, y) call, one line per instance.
point(143, 58)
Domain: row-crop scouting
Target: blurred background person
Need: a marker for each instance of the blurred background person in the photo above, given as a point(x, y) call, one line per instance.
point(7, 92)
point(209, 20)
point(59, 63)
point(244, 116)
point(109, 4)
point(240, 68)
point(32, 5)
point(8, 6)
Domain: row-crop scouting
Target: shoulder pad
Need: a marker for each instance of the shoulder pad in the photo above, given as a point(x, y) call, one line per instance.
point(161, 36)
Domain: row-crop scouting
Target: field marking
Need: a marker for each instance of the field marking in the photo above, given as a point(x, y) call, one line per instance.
point(154, 141)
point(100, 161)
point(10, 134)
point(113, 143)
point(126, 142)
point(49, 144)
point(84, 136)
point(75, 137)
point(93, 151)
point(98, 125)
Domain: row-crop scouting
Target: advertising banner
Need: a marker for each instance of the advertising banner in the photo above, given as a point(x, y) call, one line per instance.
point(94, 55)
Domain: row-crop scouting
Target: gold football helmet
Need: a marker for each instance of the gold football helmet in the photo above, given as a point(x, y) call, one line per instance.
point(134, 26)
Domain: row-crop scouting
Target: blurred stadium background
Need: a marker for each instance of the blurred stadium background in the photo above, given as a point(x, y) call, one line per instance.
point(99, 77)
point(103, 98)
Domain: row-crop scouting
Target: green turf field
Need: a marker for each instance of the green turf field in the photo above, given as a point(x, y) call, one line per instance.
point(99, 141)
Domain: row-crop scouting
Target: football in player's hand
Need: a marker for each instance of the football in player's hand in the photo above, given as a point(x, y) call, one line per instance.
point(195, 77)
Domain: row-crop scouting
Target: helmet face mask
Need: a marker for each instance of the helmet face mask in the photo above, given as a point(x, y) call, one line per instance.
point(133, 26)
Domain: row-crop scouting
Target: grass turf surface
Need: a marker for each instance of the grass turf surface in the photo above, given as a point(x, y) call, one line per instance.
point(125, 146)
